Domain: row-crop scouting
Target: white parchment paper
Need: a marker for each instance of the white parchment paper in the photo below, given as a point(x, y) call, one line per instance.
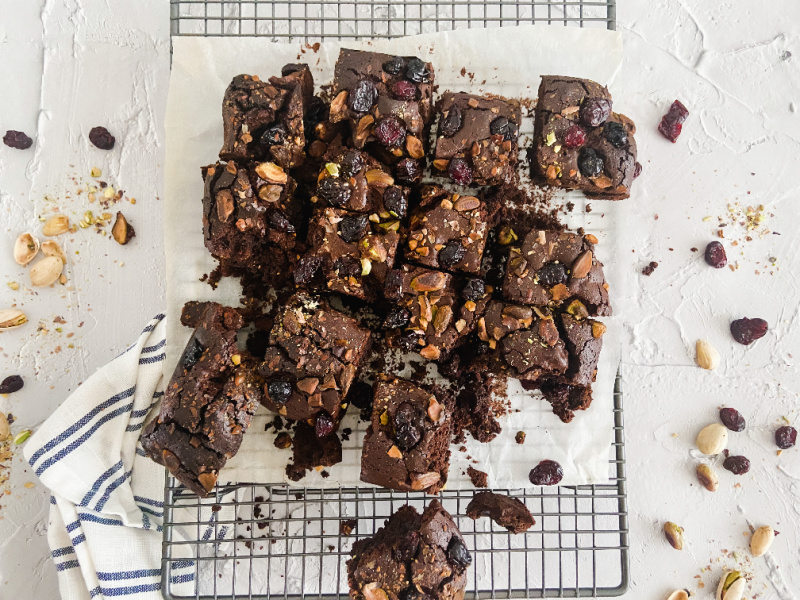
point(507, 61)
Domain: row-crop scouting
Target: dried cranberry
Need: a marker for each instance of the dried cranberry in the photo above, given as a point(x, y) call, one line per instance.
point(746, 331)
point(590, 162)
point(451, 254)
point(393, 288)
point(352, 162)
point(615, 134)
point(334, 191)
point(397, 317)
point(279, 391)
point(732, 419)
point(552, 274)
point(17, 139)
point(417, 71)
point(637, 169)
point(738, 465)
point(279, 222)
point(352, 227)
point(274, 136)
point(547, 472)
point(458, 554)
point(451, 122)
point(292, 68)
point(459, 171)
point(363, 96)
point(347, 266)
point(394, 65)
point(324, 425)
point(409, 341)
point(395, 201)
point(474, 290)
point(407, 426)
point(715, 255)
point(306, 269)
point(101, 138)
point(390, 131)
point(595, 111)
point(403, 89)
point(503, 127)
point(408, 170)
point(785, 437)
point(360, 394)
point(575, 137)
point(12, 383)
point(672, 122)
point(192, 353)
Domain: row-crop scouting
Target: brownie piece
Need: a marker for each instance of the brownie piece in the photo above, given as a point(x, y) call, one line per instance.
point(434, 311)
point(407, 444)
point(245, 207)
point(353, 253)
point(566, 399)
point(524, 343)
point(264, 120)
point(412, 556)
point(479, 479)
point(310, 451)
point(313, 356)
point(584, 339)
point(579, 143)
point(505, 511)
point(477, 139)
point(209, 402)
point(387, 101)
point(552, 268)
point(447, 231)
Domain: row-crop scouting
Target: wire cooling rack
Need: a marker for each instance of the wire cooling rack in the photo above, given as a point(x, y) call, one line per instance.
point(260, 541)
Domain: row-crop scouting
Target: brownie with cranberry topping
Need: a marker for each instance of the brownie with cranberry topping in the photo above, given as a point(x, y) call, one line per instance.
point(313, 356)
point(553, 268)
point(407, 444)
point(412, 557)
point(579, 143)
point(208, 403)
point(352, 253)
point(433, 311)
point(447, 231)
point(477, 139)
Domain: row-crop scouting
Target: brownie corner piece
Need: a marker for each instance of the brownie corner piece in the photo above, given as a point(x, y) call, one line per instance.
point(407, 445)
point(579, 143)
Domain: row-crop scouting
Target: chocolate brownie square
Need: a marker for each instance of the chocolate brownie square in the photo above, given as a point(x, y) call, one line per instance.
point(208, 403)
point(579, 143)
point(553, 268)
point(313, 356)
point(477, 139)
point(505, 511)
point(407, 445)
point(584, 340)
point(411, 557)
point(447, 231)
point(433, 311)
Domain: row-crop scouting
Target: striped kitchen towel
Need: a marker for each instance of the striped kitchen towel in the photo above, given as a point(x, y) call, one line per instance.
point(106, 512)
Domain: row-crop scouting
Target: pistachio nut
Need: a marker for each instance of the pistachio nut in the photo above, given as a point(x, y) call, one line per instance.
point(25, 248)
point(11, 318)
point(712, 439)
point(679, 595)
point(46, 271)
point(674, 535)
point(707, 355)
point(707, 477)
point(122, 231)
point(22, 436)
point(56, 225)
point(425, 480)
point(53, 248)
point(761, 541)
point(731, 586)
point(5, 430)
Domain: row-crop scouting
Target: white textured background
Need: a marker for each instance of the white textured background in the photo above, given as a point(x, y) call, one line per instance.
point(67, 66)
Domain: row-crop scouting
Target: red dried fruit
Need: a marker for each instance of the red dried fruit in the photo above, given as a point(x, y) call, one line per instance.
point(715, 255)
point(637, 170)
point(324, 425)
point(672, 122)
point(746, 331)
point(738, 465)
point(17, 139)
point(407, 427)
point(11, 384)
point(101, 138)
point(451, 122)
point(732, 419)
point(403, 89)
point(363, 96)
point(785, 437)
point(390, 131)
point(306, 269)
point(547, 472)
point(575, 137)
point(397, 317)
point(408, 170)
point(451, 254)
point(459, 171)
point(595, 111)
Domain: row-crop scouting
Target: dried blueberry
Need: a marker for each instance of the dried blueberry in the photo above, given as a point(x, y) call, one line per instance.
point(347, 266)
point(306, 269)
point(395, 201)
point(192, 353)
point(334, 191)
point(417, 71)
point(101, 138)
point(746, 331)
point(715, 255)
point(360, 394)
point(12, 383)
point(352, 227)
point(595, 111)
point(390, 131)
point(352, 162)
point(575, 137)
point(17, 139)
point(732, 419)
point(672, 122)
point(394, 65)
point(451, 254)
point(397, 317)
point(785, 437)
point(458, 554)
point(279, 222)
point(738, 465)
point(279, 391)
point(474, 290)
point(408, 170)
point(363, 96)
point(451, 122)
point(324, 425)
point(393, 287)
point(407, 426)
point(274, 136)
point(503, 127)
point(590, 162)
point(409, 341)
point(552, 274)
point(547, 472)
point(459, 171)
point(402, 89)
point(615, 134)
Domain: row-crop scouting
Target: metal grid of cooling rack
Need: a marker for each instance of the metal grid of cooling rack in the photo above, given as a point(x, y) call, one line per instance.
point(260, 541)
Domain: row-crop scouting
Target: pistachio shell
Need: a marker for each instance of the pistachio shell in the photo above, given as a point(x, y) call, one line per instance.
point(707, 356)
point(11, 318)
point(712, 439)
point(678, 595)
point(25, 248)
point(761, 541)
point(5, 430)
point(731, 586)
point(53, 248)
point(56, 225)
point(46, 271)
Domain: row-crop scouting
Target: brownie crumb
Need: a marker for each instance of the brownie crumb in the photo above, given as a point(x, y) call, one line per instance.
point(346, 434)
point(588, 208)
point(325, 474)
point(283, 441)
point(505, 511)
point(215, 508)
point(648, 270)
point(520, 437)
point(479, 479)
point(347, 526)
